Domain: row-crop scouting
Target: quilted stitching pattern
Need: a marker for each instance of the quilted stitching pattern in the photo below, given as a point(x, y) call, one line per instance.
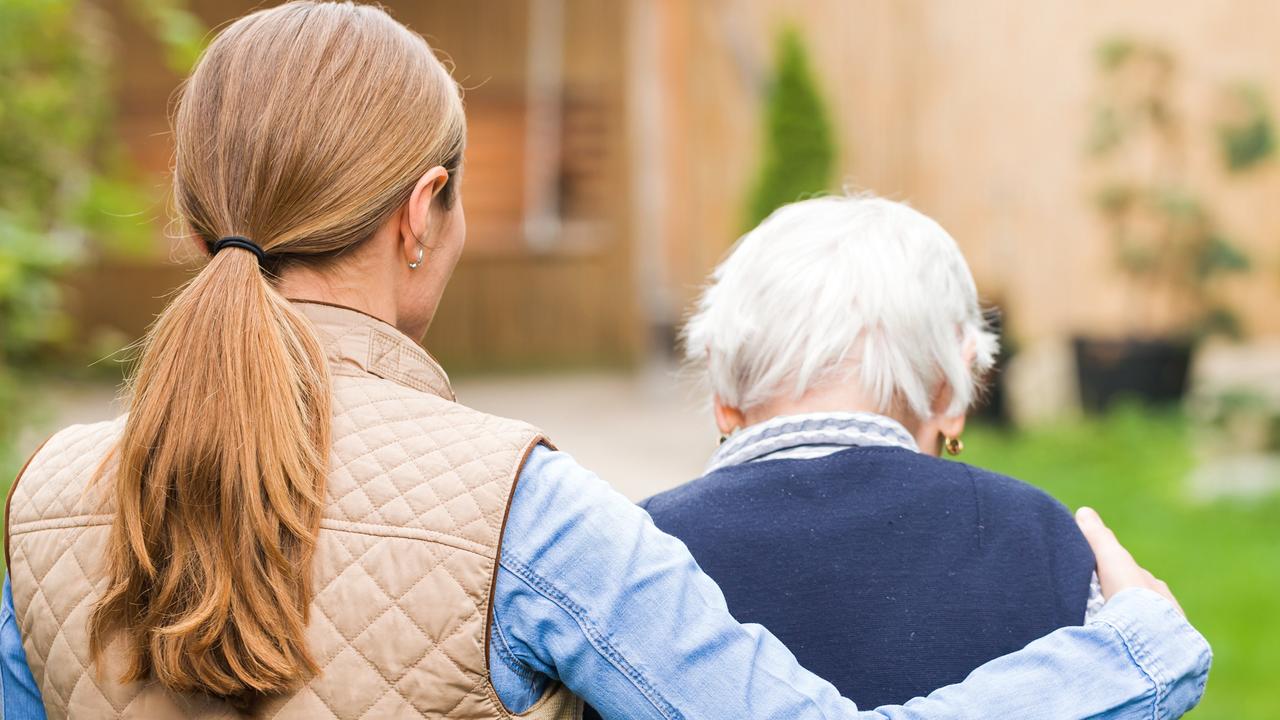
point(417, 494)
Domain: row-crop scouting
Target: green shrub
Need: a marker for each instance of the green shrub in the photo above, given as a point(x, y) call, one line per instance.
point(66, 191)
point(799, 152)
point(1247, 139)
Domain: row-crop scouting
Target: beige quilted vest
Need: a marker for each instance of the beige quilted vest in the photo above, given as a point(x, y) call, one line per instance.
point(418, 494)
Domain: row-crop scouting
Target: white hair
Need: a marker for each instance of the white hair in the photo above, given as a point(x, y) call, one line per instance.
point(838, 289)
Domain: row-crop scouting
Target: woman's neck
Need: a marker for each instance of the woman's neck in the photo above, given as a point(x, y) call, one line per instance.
point(837, 397)
point(310, 284)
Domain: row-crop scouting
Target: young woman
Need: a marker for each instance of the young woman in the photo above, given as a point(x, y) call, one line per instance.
point(296, 520)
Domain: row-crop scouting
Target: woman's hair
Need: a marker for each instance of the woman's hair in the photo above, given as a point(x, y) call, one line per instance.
point(837, 289)
point(303, 127)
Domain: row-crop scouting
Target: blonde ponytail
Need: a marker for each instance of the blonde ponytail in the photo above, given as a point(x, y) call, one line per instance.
point(219, 490)
point(303, 127)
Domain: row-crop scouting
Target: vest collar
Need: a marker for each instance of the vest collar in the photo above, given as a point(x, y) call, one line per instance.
point(357, 343)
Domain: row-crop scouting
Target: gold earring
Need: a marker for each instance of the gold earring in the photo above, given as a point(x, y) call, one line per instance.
point(954, 445)
point(416, 263)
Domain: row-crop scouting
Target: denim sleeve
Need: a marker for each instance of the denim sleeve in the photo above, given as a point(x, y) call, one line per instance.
point(591, 594)
point(19, 696)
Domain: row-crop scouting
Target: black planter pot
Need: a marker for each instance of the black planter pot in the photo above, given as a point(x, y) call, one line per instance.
point(1153, 372)
point(993, 405)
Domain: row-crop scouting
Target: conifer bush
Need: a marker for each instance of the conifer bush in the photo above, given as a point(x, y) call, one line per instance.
point(799, 150)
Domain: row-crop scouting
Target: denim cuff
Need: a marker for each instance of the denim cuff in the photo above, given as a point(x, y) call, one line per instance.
point(1172, 653)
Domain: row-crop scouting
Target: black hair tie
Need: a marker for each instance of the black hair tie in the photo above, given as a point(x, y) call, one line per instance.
point(244, 243)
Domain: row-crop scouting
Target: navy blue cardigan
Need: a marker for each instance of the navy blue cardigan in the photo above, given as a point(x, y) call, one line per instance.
point(888, 572)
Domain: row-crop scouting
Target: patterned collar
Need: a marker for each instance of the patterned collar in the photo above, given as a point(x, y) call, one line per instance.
point(811, 435)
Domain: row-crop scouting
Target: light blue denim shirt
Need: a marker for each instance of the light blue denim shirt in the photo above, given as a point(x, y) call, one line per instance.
point(591, 594)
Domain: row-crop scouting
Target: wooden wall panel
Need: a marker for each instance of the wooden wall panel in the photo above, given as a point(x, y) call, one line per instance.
point(507, 307)
point(976, 112)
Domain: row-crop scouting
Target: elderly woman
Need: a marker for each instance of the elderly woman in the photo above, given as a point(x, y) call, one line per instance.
point(843, 343)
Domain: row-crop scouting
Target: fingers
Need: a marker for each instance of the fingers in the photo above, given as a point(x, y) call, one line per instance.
point(1114, 561)
point(1117, 570)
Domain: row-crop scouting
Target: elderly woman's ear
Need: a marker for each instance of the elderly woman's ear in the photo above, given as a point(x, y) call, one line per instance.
point(728, 419)
point(943, 430)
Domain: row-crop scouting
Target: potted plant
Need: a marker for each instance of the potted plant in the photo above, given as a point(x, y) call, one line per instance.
point(993, 404)
point(1167, 242)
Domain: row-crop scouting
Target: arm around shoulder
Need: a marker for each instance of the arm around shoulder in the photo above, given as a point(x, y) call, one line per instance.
point(620, 612)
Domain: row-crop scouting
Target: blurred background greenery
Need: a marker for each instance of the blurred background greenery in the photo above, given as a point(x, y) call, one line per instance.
point(68, 190)
point(1109, 172)
point(1221, 555)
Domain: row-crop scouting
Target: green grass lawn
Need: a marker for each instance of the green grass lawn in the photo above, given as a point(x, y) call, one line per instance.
point(1222, 559)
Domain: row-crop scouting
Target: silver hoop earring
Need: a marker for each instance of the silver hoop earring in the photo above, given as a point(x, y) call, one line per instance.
point(416, 263)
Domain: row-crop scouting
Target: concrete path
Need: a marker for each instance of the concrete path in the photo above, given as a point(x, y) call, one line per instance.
point(642, 433)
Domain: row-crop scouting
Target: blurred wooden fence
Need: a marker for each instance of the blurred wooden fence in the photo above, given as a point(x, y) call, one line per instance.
point(510, 304)
point(501, 312)
point(976, 112)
